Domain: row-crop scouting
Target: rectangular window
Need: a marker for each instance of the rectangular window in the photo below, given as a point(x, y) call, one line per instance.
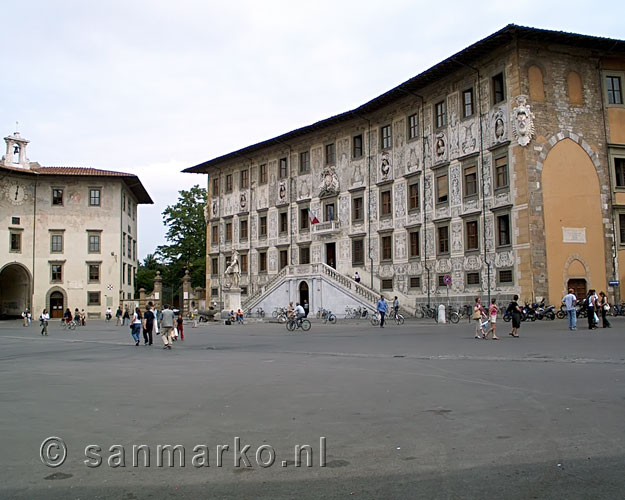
point(443, 239)
point(503, 230)
point(304, 220)
point(284, 258)
point(262, 262)
point(357, 209)
point(57, 197)
point(56, 243)
point(215, 266)
point(228, 231)
point(15, 221)
point(283, 223)
point(385, 203)
point(262, 226)
point(441, 114)
point(244, 263)
point(283, 171)
point(244, 179)
point(129, 247)
point(387, 247)
point(614, 89)
point(123, 200)
point(243, 230)
point(413, 196)
point(470, 181)
point(619, 171)
point(216, 186)
point(441, 280)
point(505, 276)
point(467, 103)
point(386, 137)
point(358, 252)
point(413, 126)
point(304, 255)
point(94, 197)
point(56, 272)
point(415, 282)
point(621, 224)
point(357, 151)
point(414, 244)
point(473, 278)
point(134, 249)
point(214, 292)
point(472, 235)
point(329, 212)
point(94, 273)
point(387, 284)
point(304, 162)
point(442, 189)
point(94, 244)
point(262, 174)
point(93, 298)
point(215, 234)
point(229, 183)
point(16, 242)
point(330, 154)
point(501, 172)
point(498, 88)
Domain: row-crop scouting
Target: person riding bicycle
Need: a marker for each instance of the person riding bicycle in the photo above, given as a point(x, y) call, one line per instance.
point(299, 313)
point(67, 315)
point(396, 305)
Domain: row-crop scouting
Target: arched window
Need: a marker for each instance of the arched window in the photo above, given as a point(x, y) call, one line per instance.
point(574, 82)
point(537, 88)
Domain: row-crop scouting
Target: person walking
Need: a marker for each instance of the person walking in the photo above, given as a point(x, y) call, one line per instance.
point(45, 317)
point(492, 315)
point(357, 277)
point(396, 306)
point(148, 324)
point(180, 325)
point(167, 326)
point(591, 301)
point(478, 315)
point(67, 315)
point(83, 317)
point(126, 316)
point(382, 307)
point(108, 314)
point(515, 312)
point(25, 317)
point(604, 307)
point(135, 325)
point(569, 301)
point(118, 316)
point(194, 317)
point(306, 308)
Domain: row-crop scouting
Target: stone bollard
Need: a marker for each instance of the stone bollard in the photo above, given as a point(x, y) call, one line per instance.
point(441, 314)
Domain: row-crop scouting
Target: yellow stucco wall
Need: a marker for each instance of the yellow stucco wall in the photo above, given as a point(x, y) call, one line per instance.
point(572, 199)
point(616, 120)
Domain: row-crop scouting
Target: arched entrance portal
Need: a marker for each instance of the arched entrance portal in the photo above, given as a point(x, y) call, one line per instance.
point(56, 305)
point(303, 294)
point(15, 287)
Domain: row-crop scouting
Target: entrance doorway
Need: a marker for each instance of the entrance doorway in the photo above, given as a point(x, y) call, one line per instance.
point(579, 287)
point(15, 286)
point(56, 305)
point(331, 254)
point(303, 295)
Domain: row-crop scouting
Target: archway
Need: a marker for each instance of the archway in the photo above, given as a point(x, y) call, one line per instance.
point(304, 298)
point(573, 219)
point(15, 290)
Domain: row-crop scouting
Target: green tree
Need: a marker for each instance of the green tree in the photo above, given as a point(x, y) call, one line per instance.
point(146, 273)
point(186, 237)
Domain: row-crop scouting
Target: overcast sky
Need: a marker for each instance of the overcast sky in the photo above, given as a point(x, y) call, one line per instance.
point(152, 87)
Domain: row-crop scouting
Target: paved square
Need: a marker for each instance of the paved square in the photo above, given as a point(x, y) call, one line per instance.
point(418, 411)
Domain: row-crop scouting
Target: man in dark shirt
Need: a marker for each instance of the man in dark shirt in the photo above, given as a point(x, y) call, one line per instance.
point(148, 324)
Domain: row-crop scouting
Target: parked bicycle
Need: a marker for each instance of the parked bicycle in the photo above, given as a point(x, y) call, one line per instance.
point(327, 316)
point(397, 316)
point(292, 324)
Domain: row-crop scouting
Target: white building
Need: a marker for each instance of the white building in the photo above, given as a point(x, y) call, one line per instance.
point(69, 235)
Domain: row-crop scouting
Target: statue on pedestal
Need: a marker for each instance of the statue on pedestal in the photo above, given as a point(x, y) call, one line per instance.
point(233, 272)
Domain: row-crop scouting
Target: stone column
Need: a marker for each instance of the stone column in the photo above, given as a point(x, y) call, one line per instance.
point(158, 291)
point(186, 293)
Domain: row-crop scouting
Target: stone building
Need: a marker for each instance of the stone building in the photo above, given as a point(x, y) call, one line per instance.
point(69, 235)
point(500, 170)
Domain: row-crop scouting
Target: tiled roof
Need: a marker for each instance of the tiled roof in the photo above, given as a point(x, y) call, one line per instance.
point(80, 171)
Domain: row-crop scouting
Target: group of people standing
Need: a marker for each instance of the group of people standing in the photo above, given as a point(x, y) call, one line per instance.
point(483, 317)
point(597, 305)
point(167, 324)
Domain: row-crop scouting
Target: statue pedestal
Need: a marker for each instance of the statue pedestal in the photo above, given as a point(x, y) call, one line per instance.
point(232, 300)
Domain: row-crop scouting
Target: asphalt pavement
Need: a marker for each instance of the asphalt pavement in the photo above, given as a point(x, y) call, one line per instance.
point(414, 411)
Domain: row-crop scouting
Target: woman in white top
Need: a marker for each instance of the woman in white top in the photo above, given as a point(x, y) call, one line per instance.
point(45, 317)
point(135, 325)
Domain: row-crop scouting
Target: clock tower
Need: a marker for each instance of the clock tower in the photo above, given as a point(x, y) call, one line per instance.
point(16, 152)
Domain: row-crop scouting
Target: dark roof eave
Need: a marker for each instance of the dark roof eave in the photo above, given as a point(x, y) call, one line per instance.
point(440, 70)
